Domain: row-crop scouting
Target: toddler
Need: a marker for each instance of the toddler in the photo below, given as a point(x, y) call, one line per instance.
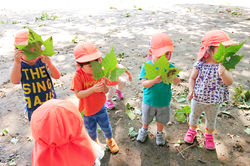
point(34, 75)
point(208, 86)
point(91, 94)
point(156, 94)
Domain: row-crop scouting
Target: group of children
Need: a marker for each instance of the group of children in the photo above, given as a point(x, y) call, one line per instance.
point(61, 123)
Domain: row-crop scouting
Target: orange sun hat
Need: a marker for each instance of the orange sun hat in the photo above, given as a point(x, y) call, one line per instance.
point(160, 44)
point(214, 38)
point(22, 37)
point(60, 139)
point(86, 52)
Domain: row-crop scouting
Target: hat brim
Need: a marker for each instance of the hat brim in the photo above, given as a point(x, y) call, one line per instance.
point(160, 51)
point(21, 42)
point(228, 43)
point(90, 57)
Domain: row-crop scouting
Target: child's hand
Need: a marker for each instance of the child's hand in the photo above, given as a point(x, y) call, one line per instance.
point(190, 95)
point(45, 60)
point(99, 87)
point(157, 79)
point(18, 56)
point(221, 69)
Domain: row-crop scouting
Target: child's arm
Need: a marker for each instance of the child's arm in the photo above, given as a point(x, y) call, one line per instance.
point(99, 87)
point(127, 72)
point(149, 83)
point(192, 79)
point(53, 70)
point(15, 76)
point(226, 76)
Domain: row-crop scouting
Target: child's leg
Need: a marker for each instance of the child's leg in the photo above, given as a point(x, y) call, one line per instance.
point(103, 121)
point(196, 110)
point(121, 84)
point(111, 93)
point(210, 116)
point(91, 126)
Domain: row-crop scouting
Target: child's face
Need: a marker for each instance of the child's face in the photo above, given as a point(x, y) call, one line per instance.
point(24, 58)
point(87, 69)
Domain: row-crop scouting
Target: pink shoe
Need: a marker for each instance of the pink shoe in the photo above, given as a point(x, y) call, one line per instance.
point(189, 137)
point(109, 104)
point(119, 94)
point(209, 141)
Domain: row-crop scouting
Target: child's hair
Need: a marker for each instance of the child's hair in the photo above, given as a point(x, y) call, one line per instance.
point(85, 63)
point(209, 52)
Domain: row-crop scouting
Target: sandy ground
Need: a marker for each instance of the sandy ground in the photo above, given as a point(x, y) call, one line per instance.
point(186, 23)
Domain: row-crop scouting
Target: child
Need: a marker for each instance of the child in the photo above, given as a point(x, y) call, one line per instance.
point(208, 86)
point(58, 141)
point(117, 89)
point(33, 75)
point(91, 93)
point(156, 94)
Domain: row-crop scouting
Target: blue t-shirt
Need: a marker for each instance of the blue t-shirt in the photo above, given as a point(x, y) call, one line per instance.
point(159, 95)
point(36, 84)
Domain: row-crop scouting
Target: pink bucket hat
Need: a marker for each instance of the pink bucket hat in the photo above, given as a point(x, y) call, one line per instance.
point(86, 52)
point(160, 44)
point(214, 38)
point(21, 37)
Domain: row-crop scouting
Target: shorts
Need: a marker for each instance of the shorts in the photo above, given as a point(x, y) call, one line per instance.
point(149, 112)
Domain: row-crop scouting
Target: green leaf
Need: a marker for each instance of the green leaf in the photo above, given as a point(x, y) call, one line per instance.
point(109, 62)
point(186, 109)
point(161, 67)
point(97, 70)
point(247, 95)
point(227, 56)
point(48, 44)
point(247, 130)
point(108, 68)
point(180, 114)
point(34, 47)
point(130, 114)
point(220, 53)
point(132, 133)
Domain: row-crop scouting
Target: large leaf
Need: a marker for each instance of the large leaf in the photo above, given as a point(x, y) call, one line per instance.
point(34, 47)
point(161, 67)
point(108, 68)
point(227, 56)
point(97, 70)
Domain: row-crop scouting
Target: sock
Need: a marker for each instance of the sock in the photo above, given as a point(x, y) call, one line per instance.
point(192, 129)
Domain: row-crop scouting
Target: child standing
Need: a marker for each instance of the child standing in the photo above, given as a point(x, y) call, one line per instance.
point(156, 94)
point(33, 75)
point(208, 86)
point(116, 88)
point(91, 94)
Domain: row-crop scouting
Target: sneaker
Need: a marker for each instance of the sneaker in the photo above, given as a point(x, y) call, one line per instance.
point(119, 94)
point(190, 136)
point(113, 147)
point(142, 135)
point(209, 141)
point(109, 104)
point(160, 141)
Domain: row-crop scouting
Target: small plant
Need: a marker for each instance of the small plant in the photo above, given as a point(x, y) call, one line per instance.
point(241, 97)
point(161, 67)
point(227, 56)
point(46, 16)
point(129, 111)
point(132, 133)
point(107, 68)
point(181, 114)
point(127, 14)
point(112, 7)
point(34, 47)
